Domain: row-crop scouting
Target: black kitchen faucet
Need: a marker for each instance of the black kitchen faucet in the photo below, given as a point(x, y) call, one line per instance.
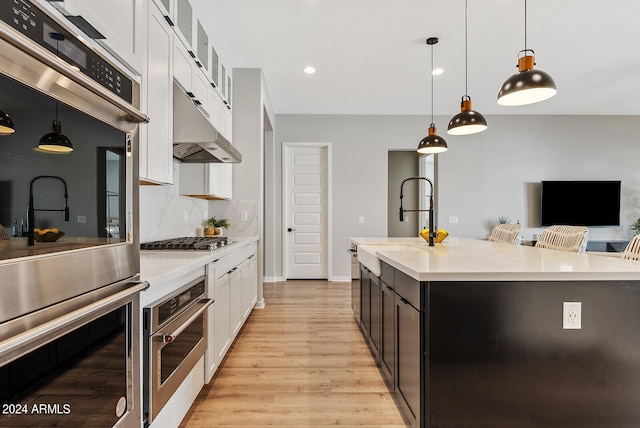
point(432, 231)
point(31, 210)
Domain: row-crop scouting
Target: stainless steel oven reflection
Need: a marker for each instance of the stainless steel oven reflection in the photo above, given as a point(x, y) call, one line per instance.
point(74, 364)
point(175, 332)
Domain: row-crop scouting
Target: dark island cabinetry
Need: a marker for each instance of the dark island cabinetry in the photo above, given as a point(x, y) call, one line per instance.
point(495, 354)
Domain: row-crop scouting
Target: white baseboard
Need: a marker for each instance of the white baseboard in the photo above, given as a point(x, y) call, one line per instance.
point(273, 279)
point(340, 279)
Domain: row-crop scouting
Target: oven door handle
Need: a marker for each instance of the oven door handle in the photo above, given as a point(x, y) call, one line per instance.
point(21, 344)
point(194, 312)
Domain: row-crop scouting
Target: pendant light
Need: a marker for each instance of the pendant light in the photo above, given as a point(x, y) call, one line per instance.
point(468, 121)
point(55, 142)
point(527, 86)
point(432, 143)
point(6, 124)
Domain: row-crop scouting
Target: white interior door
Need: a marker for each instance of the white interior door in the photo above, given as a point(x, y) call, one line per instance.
point(305, 211)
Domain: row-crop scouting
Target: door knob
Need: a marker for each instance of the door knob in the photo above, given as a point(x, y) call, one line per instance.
point(290, 230)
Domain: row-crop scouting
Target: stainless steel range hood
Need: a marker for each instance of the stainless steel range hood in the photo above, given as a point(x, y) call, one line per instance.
point(195, 140)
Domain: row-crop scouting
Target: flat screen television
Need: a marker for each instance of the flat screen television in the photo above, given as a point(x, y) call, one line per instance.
point(580, 203)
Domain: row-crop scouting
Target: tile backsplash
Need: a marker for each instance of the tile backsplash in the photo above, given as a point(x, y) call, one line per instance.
point(165, 214)
point(241, 214)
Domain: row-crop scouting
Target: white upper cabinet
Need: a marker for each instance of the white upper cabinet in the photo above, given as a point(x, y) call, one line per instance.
point(183, 20)
point(214, 67)
point(206, 180)
point(165, 7)
point(121, 22)
point(190, 78)
point(156, 142)
point(202, 47)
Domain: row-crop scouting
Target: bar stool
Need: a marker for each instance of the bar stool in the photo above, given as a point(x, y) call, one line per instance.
point(564, 238)
point(505, 233)
point(632, 252)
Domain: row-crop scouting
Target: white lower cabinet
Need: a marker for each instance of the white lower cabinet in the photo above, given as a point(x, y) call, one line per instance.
point(233, 284)
point(236, 304)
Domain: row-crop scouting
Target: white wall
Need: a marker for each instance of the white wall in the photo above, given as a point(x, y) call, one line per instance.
point(481, 177)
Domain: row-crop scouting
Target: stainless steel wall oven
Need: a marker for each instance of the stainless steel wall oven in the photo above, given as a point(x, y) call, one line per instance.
point(175, 333)
point(71, 304)
point(78, 366)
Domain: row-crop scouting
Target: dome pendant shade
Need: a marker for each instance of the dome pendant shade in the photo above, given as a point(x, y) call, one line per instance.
point(527, 86)
point(468, 121)
point(55, 142)
point(6, 124)
point(432, 143)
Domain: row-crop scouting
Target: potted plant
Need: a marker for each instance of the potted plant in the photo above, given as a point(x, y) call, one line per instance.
point(503, 220)
point(213, 226)
point(636, 226)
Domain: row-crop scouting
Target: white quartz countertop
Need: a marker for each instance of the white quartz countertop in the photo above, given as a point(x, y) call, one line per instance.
point(461, 259)
point(159, 266)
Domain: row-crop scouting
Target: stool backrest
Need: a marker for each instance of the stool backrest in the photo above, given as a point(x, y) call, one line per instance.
point(564, 238)
point(632, 252)
point(505, 233)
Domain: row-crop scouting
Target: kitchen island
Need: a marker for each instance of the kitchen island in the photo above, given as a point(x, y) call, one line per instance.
point(471, 333)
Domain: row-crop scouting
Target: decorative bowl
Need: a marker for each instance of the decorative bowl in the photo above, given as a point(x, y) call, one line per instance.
point(440, 236)
point(47, 235)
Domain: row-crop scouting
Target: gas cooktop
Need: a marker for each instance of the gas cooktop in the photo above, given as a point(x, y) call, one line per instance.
point(187, 243)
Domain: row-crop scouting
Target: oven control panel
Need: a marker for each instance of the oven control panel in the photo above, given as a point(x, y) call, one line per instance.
point(167, 309)
point(35, 24)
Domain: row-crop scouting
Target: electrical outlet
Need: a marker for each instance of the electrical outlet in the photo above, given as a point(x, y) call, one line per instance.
point(82, 219)
point(361, 219)
point(244, 215)
point(572, 315)
point(453, 219)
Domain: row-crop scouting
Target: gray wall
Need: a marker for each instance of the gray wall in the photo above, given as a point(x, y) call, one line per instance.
point(402, 164)
point(480, 178)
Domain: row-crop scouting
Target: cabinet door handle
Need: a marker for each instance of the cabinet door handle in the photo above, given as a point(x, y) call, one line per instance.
point(403, 300)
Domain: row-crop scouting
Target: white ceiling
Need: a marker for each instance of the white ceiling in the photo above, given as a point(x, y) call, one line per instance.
point(371, 56)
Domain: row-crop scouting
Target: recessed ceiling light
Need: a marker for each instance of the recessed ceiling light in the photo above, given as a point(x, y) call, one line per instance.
point(437, 71)
point(309, 70)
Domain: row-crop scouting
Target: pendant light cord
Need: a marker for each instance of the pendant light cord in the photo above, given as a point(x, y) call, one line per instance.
point(466, 55)
point(57, 55)
point(432, 84)
point(525, 24)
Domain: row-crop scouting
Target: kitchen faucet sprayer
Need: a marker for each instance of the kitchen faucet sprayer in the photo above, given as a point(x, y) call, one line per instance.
point(432, 231)
point(31, 210)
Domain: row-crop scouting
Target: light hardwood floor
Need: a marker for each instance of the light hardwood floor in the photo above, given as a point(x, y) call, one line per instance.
point(301, 361)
